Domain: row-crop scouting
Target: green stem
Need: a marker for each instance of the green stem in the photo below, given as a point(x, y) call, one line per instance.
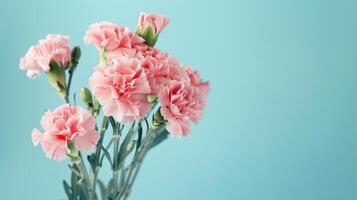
point(98, 151)
point(83, 170)
point(115, 167)
point(68, 86)
point(136, 165)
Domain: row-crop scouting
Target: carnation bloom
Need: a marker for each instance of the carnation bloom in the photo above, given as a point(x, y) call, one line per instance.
point(122, 89)
point(64, 125)
point(110, 36)
point(195, 81)
point(38, 57)
point(180, 104)
point(155, 21)
point(159, 67)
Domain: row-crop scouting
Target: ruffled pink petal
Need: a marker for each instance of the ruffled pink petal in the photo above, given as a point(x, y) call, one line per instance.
point(178, 128)
point(55, 149)
point(86, 141)
point(36, 136)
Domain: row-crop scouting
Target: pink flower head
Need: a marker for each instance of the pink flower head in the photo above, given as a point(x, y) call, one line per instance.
point(38, 57)
point(110, 36)
point(122, 89)
point(195, 81)
point(64, 125)
point(155, 21)
point(180, 104)
point(161, 69)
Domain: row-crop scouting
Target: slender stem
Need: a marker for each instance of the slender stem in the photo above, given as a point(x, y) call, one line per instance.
point(85, 175)
point(116, 141)
point(69, 82)
point(98, 151)
point(136, 165)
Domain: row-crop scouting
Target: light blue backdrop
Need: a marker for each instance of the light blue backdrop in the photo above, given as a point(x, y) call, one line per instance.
point(282, 116)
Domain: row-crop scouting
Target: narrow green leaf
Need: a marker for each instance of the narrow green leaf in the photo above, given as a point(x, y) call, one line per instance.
point(67, 189)
point(160, 134)
point(106, 154)
point(127, 146)
point(102, 190)
point(109, 188)
point(74, 185)
point(140, 135)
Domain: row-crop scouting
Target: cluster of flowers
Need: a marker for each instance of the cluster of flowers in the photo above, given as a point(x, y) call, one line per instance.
point(133, 79)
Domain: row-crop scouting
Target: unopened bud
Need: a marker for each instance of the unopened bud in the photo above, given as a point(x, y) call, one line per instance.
point(150, 26)
point(75, 56)
point(86, 97)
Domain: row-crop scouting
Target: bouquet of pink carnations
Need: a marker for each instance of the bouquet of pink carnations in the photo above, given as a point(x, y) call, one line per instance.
point(142, 94)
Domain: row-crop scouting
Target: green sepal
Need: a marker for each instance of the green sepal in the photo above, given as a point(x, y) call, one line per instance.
point(158, 120)
point(152, 99)
point(102, 57)
point(149, 36)
point(73, 154)
point(57, 78)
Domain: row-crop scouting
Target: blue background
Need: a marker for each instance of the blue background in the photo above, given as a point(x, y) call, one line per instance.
point(282, 113)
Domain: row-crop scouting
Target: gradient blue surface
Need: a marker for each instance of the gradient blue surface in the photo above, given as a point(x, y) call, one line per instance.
point(282, 113)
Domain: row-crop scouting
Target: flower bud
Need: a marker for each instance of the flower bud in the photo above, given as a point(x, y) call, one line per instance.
point(150, 26)
point(75, 56)
point(57, 78)
point(86, 97)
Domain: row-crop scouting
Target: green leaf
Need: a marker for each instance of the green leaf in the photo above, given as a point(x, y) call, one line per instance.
point(160, 134)
point(74, 186)
point(83, 194)
point(140, 135)
point(109, 188)
point(67, 189)
point(91, 161)
point(102, 189)
point(74, 170)
point(127, 146)
point(106, 154)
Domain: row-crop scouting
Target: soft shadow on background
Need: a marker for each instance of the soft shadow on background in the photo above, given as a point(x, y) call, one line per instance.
point(282, 115)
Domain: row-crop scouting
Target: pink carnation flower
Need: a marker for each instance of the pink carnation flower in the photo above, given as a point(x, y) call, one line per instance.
point(195, 81)
point(155, 21)
point(38, 57)
point(110, 36)
point(122, 89)
point(63, 125)
point(182, 103)
point(160, 68)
